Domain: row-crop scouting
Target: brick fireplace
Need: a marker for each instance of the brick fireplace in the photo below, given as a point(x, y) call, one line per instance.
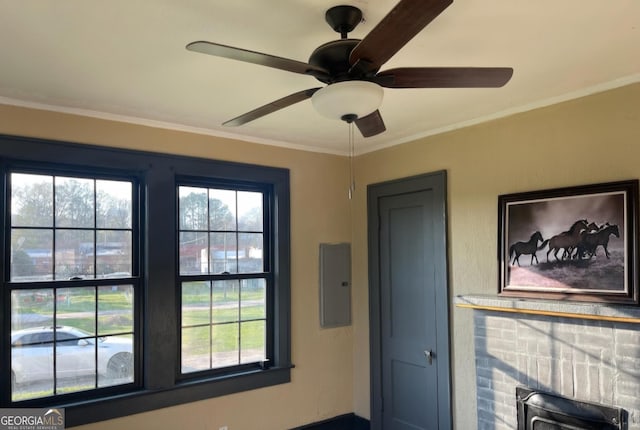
point(586, 352)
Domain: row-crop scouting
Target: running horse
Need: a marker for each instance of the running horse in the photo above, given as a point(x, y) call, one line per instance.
point(591, 241)
point(567, 240)
point(529, 247)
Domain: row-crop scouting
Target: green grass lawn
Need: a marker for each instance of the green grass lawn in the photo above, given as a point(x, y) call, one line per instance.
point(213, 320)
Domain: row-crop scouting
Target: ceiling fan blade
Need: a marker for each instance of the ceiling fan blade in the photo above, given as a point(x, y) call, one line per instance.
point(271, 107)
point(371, 124)
point(399, 26)
point(444, 77)
point(254, 57)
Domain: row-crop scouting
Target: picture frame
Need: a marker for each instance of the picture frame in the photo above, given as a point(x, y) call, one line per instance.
point(578, 243)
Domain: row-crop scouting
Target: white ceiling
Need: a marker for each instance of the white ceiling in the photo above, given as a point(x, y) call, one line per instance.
point(126, 60)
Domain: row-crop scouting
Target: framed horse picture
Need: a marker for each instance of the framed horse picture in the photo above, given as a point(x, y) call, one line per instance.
point(577, 243)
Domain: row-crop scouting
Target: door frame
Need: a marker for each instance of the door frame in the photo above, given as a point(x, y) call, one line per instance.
point(436, 181)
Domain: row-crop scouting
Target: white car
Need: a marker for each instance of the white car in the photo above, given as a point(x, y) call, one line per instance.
point(32, 355)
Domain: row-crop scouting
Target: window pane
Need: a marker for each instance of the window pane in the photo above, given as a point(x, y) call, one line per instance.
point(196, 303)
point(76, 307)
point(115, 309)
point(224, 257)
point(249, 211)
point(113, 200)
point(31, 255)
point(224, 345)
point(193, 208)
point(115, 360)
point(64, 299)
point(253, 341)
point(222, 206)
point(31, 200)
point(196, 352)
point(193, 253)
point(253, 299)
point(225, 301)
point(74, 254)
point(113, 253)
point(31, 308)
point(75, 362)
point(250, 253)
point(74, 199)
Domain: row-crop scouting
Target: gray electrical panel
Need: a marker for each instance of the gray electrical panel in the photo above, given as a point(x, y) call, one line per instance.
point(335, 284)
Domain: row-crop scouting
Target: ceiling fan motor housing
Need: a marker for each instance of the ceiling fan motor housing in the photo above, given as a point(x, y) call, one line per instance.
point(334, 57)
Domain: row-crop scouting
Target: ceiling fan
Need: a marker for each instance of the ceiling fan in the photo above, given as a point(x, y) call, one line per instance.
point(351, 67)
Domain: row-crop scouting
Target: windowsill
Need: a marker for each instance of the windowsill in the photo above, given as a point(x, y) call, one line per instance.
point(592, 311)
point(235, 375)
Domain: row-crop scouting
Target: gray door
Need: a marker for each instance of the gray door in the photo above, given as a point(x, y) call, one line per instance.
point(410, 318)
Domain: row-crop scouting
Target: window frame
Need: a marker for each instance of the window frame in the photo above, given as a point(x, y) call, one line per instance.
point(60, 170)
point(266, 274)
point(160, 382)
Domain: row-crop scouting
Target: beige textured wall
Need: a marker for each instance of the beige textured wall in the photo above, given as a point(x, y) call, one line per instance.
point(321, 384)
point(588, 140)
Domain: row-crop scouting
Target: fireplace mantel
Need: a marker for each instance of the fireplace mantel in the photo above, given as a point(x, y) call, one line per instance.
point(580, 310)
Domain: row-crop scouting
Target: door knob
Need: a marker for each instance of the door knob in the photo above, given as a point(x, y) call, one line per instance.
point(429, 355)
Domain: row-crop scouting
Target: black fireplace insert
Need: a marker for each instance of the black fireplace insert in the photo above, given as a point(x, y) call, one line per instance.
point(538, 410)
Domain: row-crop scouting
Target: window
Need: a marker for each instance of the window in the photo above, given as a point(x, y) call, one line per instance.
point(224, 277)
point(70, 333)
point(90, 234)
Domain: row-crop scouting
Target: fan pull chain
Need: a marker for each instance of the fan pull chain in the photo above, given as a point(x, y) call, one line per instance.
point(352, 180)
